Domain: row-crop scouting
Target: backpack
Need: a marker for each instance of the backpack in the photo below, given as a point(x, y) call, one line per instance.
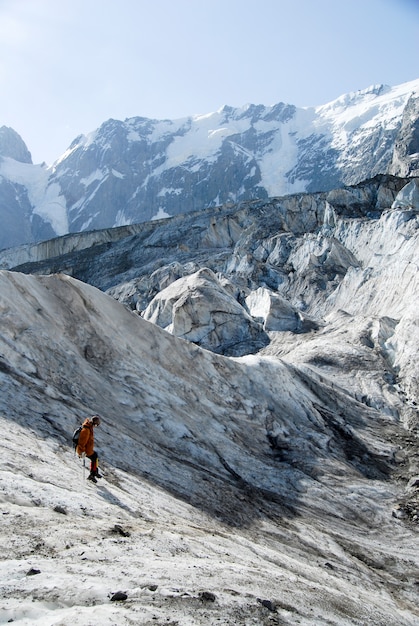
point(76, 436)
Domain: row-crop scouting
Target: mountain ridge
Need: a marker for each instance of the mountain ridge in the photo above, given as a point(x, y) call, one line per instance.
point(140, 169)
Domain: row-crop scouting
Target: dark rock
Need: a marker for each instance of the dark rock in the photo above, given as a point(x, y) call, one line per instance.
point(207, 596)
point(60, 509)
point(268, 605)
point(413, 482)
point(33, 572)
point(119, 596)
point(118, 530)
point(399, 512)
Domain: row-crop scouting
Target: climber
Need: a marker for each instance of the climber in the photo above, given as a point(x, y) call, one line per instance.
point(85, 446)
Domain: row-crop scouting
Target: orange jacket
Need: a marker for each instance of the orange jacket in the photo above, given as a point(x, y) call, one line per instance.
point(86, 439)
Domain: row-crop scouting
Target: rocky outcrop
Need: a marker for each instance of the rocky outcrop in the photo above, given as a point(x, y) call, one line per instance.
point(15, 214)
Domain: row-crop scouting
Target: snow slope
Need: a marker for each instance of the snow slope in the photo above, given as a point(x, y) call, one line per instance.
point(45, 197)
point(236, 490)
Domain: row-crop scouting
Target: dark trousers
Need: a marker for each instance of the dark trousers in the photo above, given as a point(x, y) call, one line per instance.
point(93, 463)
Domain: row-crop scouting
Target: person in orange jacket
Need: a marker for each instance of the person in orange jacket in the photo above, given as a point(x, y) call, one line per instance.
point(86, 445)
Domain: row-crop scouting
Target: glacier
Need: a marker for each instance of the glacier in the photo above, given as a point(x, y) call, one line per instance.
point(255, 365)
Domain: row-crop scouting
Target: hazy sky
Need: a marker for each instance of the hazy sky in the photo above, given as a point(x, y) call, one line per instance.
point(66, 66)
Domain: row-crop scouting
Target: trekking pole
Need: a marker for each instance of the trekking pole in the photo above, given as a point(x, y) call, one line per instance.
point(84, 468)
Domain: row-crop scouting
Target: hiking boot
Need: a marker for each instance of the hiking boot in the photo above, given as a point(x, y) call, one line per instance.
point(92, 477)
point(97, 474)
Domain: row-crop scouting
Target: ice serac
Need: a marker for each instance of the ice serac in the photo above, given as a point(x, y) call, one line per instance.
point(276, 313)
point(201, 309)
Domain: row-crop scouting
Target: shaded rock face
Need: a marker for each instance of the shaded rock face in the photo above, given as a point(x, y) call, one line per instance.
point(15, 216)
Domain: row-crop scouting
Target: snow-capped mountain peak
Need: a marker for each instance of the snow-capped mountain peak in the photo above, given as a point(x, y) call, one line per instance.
point(135, 170)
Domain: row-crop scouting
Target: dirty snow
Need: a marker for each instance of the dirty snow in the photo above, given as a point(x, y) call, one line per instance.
point(197, 519)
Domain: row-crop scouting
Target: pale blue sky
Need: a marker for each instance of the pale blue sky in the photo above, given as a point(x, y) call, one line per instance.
point(66, 66)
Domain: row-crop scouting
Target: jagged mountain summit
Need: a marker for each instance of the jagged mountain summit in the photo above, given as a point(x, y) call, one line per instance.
point(140, 169)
